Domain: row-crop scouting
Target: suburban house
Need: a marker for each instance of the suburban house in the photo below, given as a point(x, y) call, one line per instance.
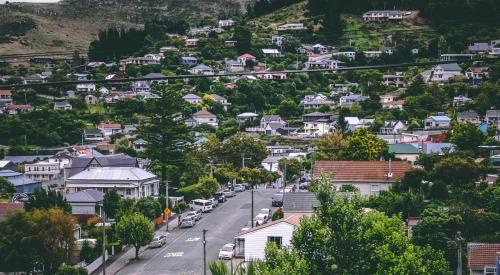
point(246, 57)
point(350, 55)
point(397, 80)
point(93, 135)
point(130, 182)
point(456, 57)
point(372, 54)
point(477, 73)
point(369, 177)
point(35, 78)
point(202, 69)
point(397, 104)
point(461, 100)
point(22, 183)
point(191, 42)
point(64, 105)
point(479, 48)
point(139, 145)
point(343, 88)
point(469, 116)
point(226, 23)
point(230, 43)
point(350, 99)
point(437, 122)
point(5, 97)
point(155, 78)
point(86, 203)
point(390, 97)
point(322, 62)
point(7, 165)
point(85, 87)
point(91, 99)
point(109, 129)
point(43, 171)
point(251, 244)
point(384, 15)
point(393, 127)
point(187, 60)
point(243, 117)
point(483, 258)
point(317, 124)
point(78, 164)
point(354, 123)
point(271, 52)
point(277, 40)
point(493, 117)
point(404, 151)
point(168, 49)
point(221, 100)
point(439, 148)
point(139, 61)
point(316, 101)
point(299, 204)
point(141, 87)
point(442, 73)
point(234, 66)
point(290, 27)
point(267, 119)
point(192, 99)
point(15, 109)
point(205, 117)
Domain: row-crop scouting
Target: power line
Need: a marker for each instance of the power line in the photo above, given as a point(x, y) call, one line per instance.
point(197, 76)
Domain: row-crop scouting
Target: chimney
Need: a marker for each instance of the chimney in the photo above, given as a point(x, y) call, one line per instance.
point(389, 174)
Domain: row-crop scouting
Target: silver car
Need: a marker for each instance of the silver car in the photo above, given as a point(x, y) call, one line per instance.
point(196, 215)
point(188, 222)
point(228, 193)
point(158, 241)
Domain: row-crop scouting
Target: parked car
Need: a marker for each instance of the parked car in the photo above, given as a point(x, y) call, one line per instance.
point(226, 252)
point(249, 225)
point(188, 221)
point(215, 202)
point(304, 185)
point(266, 212)
point(158, 241)
point(261, 219)
point(238, 188)
point(195, 214)
point(203, 205)
point(277, 200)
point(220, 197)
point(246, 186)
point(228, 193)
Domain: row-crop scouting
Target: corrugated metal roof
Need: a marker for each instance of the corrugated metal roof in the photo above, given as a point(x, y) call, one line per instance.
point(113, 173)
point(299, 202)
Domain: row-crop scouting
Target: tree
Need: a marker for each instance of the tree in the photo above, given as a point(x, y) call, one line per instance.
point(71, 270)
point(88, 253)
point(111, 203)
point(42, 199)
point(167, 135)
point(458, 173)
point(6, 189)
point(467, 137)
point(243, 37)
point(288, 108)
point(149, 208)
point(329, 146)
point(240, 146)
point(135, 230)
point(293, 168)
point(363, 145)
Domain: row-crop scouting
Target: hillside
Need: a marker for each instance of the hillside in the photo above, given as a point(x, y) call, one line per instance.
point(74, 24)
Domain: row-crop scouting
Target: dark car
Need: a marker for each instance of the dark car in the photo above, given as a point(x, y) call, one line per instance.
point(277, 200)
point(220, 197)
point(304, 185)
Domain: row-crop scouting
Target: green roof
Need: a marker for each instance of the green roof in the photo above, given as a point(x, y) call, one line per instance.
point(403, 149)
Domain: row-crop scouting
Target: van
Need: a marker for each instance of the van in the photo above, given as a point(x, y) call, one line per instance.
point(277, 200)
point(203, 205)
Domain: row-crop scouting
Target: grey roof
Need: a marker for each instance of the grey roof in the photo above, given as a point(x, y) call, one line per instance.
point(451, 67)
point(202, 67)
point(467, 114)
point(275, 125)
point(140, 142)
point(191, 96)
point(192, 58)
point(16, 178)
point(88, 195)
point(120, 160)
point(217, 97)
point(61, 104)
point(93, 131)
point(315, 114)
point(269, 118)
point(26, 159)
point(114, 174)
point(299, 202)
point(154, 75)
point(493, 113)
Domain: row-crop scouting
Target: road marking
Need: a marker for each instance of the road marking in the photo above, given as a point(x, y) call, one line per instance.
point(192, 239)
point(174, 254)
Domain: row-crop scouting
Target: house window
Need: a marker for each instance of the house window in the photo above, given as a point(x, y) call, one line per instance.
point(277, 240)
point(128, 192)
point(375, 189)
point(489, 270)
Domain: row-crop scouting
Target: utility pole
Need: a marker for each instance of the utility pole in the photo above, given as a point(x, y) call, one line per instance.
point(459, 252)
point(103, 243)
point(211, 168)
point(166, 201)
point(252, 208)
point(204, 253)
point(242, 160)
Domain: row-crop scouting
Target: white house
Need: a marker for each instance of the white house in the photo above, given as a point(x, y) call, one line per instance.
point(221, 100)
point(234, 66)
point(461, 100)
point(384, 15)
point(202, 69)
point(442, 72)
point(469, 116)
point(251, 244)
point(43, 171)
point(271, 52)
point(350, 55)
point(191, 42)
point(62, 106)
point(109, 129)
point(350, 99)
point(437, 122)
point(316, 101)
point(192, 99)
point(205, 117)
point(246, 57)
point(85, 87)
point(392, 127)
point(290, 26)
point(243, 117)
point(226, 23)
point(5, 97)
point(130, 182)
point(318, 128)
point(372, 54)
point(397, 80)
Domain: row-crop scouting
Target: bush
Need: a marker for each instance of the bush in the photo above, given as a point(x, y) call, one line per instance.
point(190, 192)
point(71, 270)
point(278, 214)
point(88, 253)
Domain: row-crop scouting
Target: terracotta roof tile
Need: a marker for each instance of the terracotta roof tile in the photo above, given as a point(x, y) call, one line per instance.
point(361, 170)
point(5, 92)
point(482, 254)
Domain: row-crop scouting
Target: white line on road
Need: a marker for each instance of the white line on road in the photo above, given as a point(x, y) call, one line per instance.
point(192, 239)
point(174, 254)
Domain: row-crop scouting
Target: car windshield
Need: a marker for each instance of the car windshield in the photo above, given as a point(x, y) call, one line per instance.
point(227, 248)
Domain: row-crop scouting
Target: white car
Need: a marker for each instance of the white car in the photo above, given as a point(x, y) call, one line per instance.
point(238, 188)
point(215, 202)
point(228, 193)
point(188, 222)
point(226, 252)
point(266, 212)
point(195, 214)
point(261, 219)
point(158, 241)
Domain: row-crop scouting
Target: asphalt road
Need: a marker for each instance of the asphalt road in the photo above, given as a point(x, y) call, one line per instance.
point(183, 253)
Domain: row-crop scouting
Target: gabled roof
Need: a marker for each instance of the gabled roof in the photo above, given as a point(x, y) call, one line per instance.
point(292, 220)
point(493, 113)
point(119, 160)
point(299, 202)
point(202, 67)
point(109, 126)
point(154, 75)
point(402, 148)
point(88, 195)
point(440, 118)
point(450, 67)
point(5, 92)
point(467, 114)
point(269, 118)
point(362, 171)
point(203, 113)
point(316, 114)
point(113, 173)
point(16, 178)
point(191, 96)
point(247, 56)
point(482, 254)
point(217, 97)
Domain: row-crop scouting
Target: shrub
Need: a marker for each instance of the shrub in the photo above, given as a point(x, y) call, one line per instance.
point(71, 270)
